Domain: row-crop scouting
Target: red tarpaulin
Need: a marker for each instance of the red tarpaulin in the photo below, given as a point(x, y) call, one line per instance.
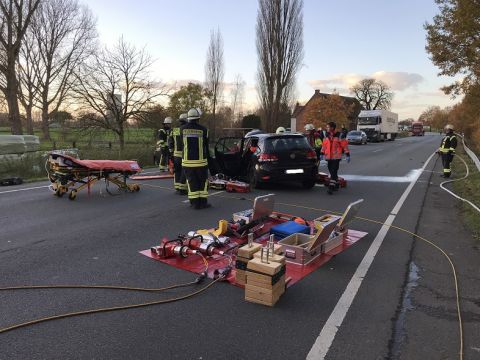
point(296, 272)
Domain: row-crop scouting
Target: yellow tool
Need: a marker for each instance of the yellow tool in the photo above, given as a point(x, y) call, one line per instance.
point(220, 231)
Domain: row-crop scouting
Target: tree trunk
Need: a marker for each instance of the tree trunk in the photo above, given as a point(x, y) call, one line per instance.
point(12, 101)
point(121, 138)
point(45, 128)
point(28, 114)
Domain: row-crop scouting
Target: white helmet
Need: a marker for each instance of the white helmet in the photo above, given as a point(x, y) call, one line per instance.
point(449, 127)
point(183, 118)
point(168, 120)
point(309, 127)
point(280, 130)
point(194, 114)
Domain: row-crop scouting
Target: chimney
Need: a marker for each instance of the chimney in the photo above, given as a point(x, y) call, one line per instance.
point(317, 91)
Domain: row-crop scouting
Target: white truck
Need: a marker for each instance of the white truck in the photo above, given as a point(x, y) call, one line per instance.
point(379, 125)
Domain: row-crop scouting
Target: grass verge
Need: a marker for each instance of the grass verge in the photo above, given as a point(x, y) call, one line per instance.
point(468, 189)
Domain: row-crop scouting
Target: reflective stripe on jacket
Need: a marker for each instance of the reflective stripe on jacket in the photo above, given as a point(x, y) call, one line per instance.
point(448, 144)
point(176, 142)
point(334, 146)
point(194, 145)
point(163, 135)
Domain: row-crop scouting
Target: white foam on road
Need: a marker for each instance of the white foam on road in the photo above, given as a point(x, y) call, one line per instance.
point(325, 339)
point(412, 174)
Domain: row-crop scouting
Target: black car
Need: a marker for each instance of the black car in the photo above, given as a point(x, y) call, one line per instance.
point(261, 158)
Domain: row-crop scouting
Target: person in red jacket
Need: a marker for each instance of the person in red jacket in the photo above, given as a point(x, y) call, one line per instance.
point(333, 147)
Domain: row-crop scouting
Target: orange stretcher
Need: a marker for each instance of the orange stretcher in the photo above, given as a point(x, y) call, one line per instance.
point(70, 175)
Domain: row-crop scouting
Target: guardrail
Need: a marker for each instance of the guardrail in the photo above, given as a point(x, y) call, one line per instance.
point(471, 154)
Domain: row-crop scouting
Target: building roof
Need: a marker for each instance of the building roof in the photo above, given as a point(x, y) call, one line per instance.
point(348, 99)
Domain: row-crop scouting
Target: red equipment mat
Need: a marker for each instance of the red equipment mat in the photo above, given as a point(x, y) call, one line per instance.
point(296, 272)
point(151, 177)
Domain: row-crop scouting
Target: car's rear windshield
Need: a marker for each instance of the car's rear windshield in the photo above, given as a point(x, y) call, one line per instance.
point(355, 133)
point(286, 143)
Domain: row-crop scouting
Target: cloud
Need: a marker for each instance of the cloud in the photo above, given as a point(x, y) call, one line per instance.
point(398, 81)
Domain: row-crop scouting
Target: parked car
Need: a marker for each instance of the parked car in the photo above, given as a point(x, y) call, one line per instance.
point(357, 137)
point(261, 158)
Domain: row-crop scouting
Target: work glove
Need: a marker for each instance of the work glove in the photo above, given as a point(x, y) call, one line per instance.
point(347, 158)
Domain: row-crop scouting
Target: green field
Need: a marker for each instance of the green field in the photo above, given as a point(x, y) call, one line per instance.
point(81, 138)
point(139, 145)
point(467, 189)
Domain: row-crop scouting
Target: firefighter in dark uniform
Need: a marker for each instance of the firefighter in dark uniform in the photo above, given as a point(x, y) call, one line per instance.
point(195, 159)
point(162, 143)
point(175, 146)
point(447, 150)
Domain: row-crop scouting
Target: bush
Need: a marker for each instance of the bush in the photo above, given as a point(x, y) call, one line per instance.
point(28, 166)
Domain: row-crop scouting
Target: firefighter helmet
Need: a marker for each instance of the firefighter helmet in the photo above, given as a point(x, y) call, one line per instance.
point(280, 130)
point(309, 127)
point(183, 118)
point(194, 114)
point(168, 120)
point(449, 127)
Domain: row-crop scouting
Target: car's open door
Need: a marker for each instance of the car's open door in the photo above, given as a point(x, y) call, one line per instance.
point(228, 153)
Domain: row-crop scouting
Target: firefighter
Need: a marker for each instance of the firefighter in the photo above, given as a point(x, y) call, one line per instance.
point(280, 130)
point(319, 136)
point(333, 147)
point(162, 144)
point(195, 159)
point(310, 134)
point(344, 132)
point(174, 145)
point(447, 150)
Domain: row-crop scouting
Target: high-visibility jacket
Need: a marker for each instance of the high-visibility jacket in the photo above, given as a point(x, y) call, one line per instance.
point(194, 145)
point(163, 135)
point(175, 142)
point(448, 144)
point(334, 146)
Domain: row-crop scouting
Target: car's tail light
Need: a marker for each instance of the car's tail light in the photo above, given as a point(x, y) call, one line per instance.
point(267, 157)
point(311, 155)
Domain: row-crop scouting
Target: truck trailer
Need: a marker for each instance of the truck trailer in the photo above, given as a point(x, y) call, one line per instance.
point(418, 129)
point(379, 125)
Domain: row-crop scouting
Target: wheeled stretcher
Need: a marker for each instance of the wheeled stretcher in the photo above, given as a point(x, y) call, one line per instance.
point(70, 175)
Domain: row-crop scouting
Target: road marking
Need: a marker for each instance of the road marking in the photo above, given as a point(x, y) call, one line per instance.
point(377, 150)
point(25, 189)
point(325, 339)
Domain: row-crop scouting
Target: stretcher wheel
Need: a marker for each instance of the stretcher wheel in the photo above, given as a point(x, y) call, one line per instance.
point(59, 191)
point(72, 195)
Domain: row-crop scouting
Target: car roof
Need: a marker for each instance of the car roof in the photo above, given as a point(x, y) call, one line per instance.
point(267, 135)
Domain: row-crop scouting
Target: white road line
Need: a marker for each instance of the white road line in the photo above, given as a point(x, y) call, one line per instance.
point(323, 342)
point(377, 150)
point(25, 189)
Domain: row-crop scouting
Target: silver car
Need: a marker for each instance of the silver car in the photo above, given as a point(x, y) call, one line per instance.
point(357, 137)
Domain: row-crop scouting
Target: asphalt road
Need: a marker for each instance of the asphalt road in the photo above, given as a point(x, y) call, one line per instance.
point(96, 240)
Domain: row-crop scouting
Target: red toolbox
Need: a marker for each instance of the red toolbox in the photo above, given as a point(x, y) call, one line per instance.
point(237, 186)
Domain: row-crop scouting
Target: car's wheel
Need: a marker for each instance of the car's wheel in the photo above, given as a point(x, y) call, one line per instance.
point(308, 184)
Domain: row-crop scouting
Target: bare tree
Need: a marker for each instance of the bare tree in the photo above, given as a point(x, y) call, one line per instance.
point(373, 94)
point(116, 86)
point(15, 18)
point(64, 33)
point(29, 61)
point(280, 54)
point(237, 95)
point(214, 71)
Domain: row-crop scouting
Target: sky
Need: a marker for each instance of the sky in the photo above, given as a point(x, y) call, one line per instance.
point(344, 42)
